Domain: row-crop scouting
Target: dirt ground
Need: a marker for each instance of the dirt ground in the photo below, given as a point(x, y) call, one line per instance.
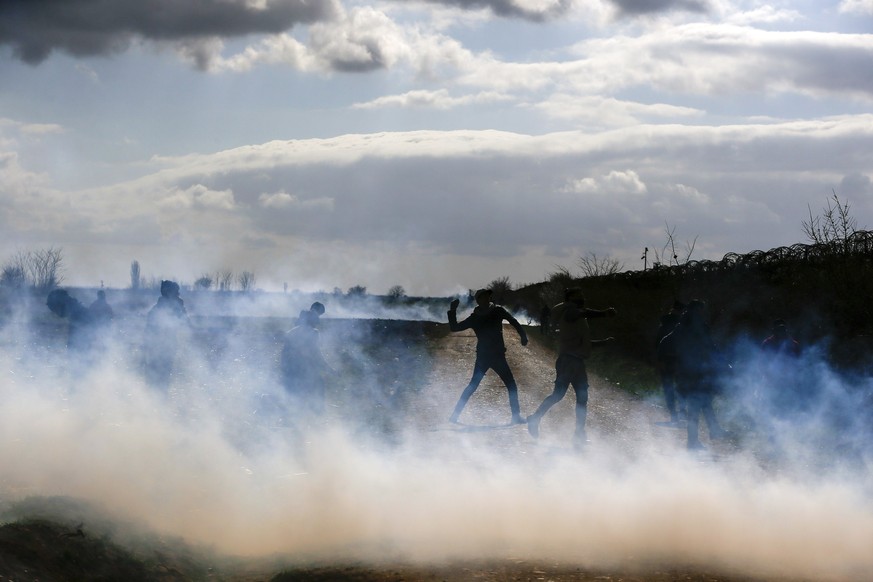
point(615, 418)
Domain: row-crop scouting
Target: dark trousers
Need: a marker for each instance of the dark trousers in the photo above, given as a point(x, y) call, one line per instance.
point(569, 371)
point(698, 403)
point(485, 362)
point(675, 403)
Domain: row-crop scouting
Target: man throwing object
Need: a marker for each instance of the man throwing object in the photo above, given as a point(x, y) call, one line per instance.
point(486, 321)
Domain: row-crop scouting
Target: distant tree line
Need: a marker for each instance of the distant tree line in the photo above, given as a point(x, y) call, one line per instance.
point(39, 270)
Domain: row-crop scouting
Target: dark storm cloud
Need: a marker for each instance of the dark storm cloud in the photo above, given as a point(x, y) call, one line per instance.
point(35, 28)
point(512, 8)
point(638, 7)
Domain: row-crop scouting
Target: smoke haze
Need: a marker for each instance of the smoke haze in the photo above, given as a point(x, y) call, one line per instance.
point(214, 460)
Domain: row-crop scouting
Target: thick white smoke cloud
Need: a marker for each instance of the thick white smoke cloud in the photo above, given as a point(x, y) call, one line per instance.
point(214, 460)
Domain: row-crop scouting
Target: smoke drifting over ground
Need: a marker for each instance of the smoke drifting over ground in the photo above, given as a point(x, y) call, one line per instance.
point(216, 459)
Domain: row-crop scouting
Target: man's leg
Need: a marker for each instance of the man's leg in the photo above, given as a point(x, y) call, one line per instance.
point(715, 430)
point(562, 384)
point(669, 394)
point(693, 403)
point(580, 386)
point(501, 366)
point(479, 370)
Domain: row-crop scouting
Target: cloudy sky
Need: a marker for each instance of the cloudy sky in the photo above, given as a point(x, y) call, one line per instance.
point(436, 145)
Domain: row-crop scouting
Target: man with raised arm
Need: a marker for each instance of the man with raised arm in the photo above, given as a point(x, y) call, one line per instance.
point(486, 321)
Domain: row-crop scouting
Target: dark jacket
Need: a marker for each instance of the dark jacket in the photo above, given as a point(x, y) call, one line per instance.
point(698, 364)
point(487, 324)
point(669, 321)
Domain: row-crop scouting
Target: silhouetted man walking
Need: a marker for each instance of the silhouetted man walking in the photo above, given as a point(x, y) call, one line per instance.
point(667, 364)
point(574, 345)
point(486, 321)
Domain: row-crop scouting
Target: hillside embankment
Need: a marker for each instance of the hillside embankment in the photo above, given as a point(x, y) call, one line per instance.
point(822, 291)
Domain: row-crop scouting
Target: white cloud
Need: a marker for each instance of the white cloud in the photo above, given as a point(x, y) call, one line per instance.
point(864, 7)
point(605, 112)
point(285, 201)
point(364, 39)
point(281, 49)
point(198, 196)
point(764, 14)
point(692, 59)
point(722, 59)
point(689, 194)
point(277, 200)
point(11, 128)
point(439, 99)
point(534, 10)
point(614, 183)
point(358, 40)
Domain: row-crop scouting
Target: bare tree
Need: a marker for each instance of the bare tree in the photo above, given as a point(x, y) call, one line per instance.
point(204, 282)
point(594, 266)
point(552, 292)
point(224, 279)
point(357, 291)
point(135, 275)
point(396, 293)
point(42, 269)
point(246, 281)
point(669, 253)
point(46, 268)
point(834, 225)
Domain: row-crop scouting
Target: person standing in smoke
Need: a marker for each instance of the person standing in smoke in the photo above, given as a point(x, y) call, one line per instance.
point(303, 366)
point(486, 321)
point(163, 324)
point(782, 390)
point(101, 310)
point(667, 364)
point(80, 332)
point(102, 314)
point(570, 319)
point(698, 367)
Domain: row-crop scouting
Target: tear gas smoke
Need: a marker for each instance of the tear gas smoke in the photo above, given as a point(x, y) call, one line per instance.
point(213, 459)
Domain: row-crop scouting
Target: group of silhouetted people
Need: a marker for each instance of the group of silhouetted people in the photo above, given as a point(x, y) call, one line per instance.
point(303, 368)
point(568, 319)
point(692, 370)
point(691, 366)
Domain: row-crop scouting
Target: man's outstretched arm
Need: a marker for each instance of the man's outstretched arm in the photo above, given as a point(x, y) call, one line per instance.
point(453, 317)
point(514, 323)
